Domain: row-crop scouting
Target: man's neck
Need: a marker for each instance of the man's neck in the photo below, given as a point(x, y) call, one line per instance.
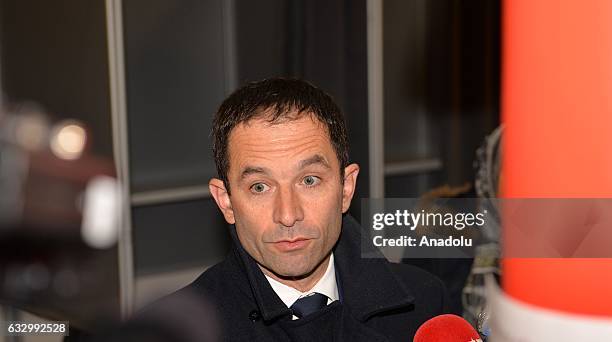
point(303, 283)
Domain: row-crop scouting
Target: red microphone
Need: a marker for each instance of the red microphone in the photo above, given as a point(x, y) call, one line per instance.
point(446, 328)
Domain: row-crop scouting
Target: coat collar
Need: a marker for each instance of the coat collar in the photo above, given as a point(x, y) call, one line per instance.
point(367, 286)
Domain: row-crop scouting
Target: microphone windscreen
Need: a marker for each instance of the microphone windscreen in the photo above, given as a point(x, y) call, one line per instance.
point(446, 328)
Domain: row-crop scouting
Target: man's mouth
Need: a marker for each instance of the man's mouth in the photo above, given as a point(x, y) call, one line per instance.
point(291, 245)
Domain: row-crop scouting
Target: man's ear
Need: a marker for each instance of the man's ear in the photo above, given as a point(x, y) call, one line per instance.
point(350, 180)
point(219, 193)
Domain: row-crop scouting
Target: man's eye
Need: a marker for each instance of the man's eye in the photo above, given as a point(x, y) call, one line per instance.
point(259, 187)
point(311, 180)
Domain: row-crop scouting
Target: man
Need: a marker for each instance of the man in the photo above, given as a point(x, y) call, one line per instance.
point(295, 272)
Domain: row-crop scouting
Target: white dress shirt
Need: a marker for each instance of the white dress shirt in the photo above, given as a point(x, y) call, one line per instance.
point(326, 286)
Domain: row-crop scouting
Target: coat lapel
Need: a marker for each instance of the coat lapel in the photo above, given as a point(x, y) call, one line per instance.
point(268, 302)
point(368, 285)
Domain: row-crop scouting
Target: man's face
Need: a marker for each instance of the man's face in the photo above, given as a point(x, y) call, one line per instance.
point(287, 197)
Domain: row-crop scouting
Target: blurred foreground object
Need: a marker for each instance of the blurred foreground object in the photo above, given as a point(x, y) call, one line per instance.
point(59, 219)
point(514, 320)
point(183, 317)
point(557, 117)
point(48, 181)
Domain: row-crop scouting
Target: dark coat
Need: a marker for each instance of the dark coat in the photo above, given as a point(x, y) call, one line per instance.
point(380, 301)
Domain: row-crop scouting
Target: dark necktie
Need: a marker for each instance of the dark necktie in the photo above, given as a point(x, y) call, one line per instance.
point(307, 305)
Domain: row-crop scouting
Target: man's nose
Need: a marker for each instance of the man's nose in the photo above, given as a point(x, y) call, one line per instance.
point(288, 209)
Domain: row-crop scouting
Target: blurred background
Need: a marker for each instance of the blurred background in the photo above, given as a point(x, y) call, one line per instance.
point(418, 82)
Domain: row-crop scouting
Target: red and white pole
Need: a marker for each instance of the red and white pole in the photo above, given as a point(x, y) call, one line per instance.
point(557, 115)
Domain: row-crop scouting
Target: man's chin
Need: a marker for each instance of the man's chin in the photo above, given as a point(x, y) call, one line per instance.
point(293, 274)
point(293, 267)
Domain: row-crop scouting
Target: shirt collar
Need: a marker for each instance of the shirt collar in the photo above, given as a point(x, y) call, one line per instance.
point(327, 286)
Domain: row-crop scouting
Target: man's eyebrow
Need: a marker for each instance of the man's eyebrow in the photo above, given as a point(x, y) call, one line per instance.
point(316, 159)
point(250, 170)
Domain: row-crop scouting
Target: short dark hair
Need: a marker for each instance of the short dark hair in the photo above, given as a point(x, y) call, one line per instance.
point(276, 99)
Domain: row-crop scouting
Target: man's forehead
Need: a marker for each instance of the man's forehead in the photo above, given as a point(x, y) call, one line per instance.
point(292, 144)
point(266, 131)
